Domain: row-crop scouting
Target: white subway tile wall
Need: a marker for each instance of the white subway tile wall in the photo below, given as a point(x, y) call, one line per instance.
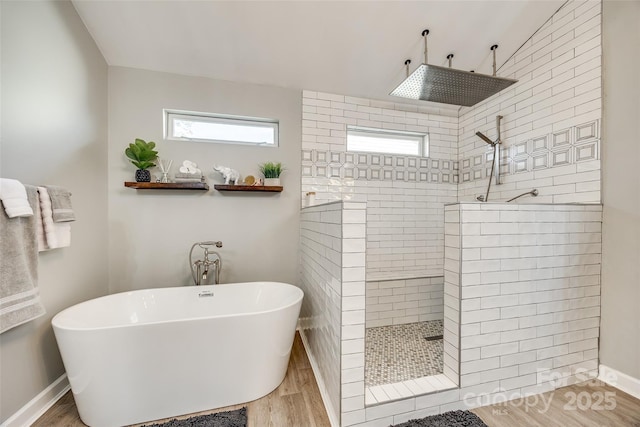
point(551, 124)
point(321, 266)
point(531, 308)
point(395, 302)
point(332, 321)
point(405, 195)
point(530, 298)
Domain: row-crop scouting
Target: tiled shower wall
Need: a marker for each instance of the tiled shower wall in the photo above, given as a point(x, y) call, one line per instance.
point(394, 302)
point(321, 276)
point(551, 125)
point(527, 280)
point(332, 263)
point(405, 195)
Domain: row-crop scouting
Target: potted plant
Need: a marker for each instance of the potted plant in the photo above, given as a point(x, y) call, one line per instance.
point(271, 172)
point(142, 155)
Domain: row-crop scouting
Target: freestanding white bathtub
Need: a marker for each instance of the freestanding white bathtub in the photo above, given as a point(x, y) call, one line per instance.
point(144, 355)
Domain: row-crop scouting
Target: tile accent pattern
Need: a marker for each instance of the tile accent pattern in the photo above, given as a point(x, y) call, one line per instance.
point(394, 302)
point(377, 167)
point(551, 125)
point(401, 352)
point(566, 147)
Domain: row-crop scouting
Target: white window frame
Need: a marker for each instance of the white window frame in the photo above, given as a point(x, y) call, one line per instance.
point(421, 138)
point(170, 115)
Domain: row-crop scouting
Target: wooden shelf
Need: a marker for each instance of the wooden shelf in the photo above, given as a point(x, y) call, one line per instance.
point(167, 185)
point(263, 188)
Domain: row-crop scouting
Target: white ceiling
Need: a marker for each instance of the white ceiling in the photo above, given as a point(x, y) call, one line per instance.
point(349, 47)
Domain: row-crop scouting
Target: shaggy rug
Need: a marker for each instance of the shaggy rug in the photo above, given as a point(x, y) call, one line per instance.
point(237, 418)
point(448, 419)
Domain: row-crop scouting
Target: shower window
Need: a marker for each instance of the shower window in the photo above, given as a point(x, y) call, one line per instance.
point(207, 127)
point(388, 142)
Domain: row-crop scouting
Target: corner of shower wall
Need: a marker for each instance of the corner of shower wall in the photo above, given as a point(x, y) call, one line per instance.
point(452, 308)
point(321, 275)
point(332, 262)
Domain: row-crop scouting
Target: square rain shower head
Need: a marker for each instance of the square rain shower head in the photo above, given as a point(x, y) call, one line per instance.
point(450, 86)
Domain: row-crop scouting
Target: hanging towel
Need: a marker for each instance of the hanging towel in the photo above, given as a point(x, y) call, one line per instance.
point(14, 198)
point(19, 296)
point(61, 203)
point(57, 234)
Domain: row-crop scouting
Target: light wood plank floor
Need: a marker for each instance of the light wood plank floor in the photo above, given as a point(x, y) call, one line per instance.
point(589, 404)
point(296, 402)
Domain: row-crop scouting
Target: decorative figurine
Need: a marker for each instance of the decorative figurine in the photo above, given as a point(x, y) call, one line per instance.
point(228, 174)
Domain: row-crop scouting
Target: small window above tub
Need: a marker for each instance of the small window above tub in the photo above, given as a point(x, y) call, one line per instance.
point(374, 140)
point(219, 128)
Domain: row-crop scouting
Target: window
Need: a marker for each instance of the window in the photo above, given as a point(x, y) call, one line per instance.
point(388, 142)
point(206, 127)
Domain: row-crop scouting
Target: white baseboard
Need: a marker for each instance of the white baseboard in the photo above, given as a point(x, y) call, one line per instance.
point(620, 380)
point(334, 418)
point(37, 406)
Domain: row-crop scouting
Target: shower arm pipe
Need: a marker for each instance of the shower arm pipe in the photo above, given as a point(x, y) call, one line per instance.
point(493, 49)
point(533, 193)
point(406, 63)
point(425, 33)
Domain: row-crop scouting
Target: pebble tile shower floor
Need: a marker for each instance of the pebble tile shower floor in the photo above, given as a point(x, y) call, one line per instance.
point(402, 352)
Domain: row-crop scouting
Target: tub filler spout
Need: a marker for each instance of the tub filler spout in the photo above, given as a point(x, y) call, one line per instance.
point(200, 268)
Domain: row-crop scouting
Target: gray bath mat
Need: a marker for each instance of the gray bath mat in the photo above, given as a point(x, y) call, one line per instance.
point(237, 418)
point(448, 419)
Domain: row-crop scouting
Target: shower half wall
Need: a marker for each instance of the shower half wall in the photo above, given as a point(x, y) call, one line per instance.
point(522, 306)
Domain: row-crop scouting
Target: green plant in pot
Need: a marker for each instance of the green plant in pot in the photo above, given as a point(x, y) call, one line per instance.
point(142, 155)
point(271, 172)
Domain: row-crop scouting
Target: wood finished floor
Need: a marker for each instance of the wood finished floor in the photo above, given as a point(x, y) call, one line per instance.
point(588, 404)
point(296, 402)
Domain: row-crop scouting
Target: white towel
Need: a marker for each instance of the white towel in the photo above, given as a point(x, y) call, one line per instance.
point(57, 234)
point(14, 198)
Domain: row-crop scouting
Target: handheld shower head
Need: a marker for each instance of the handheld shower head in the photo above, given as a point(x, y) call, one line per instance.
point(485, 139)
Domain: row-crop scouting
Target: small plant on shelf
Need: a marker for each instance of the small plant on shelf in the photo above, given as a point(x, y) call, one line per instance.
point(142, 155)
point(271, 172)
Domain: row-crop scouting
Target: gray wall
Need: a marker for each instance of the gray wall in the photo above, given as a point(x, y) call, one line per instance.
point(151, 231)
point(620, 342)
point(54, 131)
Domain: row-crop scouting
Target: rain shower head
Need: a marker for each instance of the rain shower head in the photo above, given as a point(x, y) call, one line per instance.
point(485, 139)
point(448, 85)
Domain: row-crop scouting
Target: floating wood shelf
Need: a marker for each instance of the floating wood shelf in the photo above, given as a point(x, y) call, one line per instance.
point(263, 188)
point(167, 185)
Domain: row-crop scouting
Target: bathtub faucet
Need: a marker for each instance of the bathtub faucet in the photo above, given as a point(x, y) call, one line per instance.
point(200, 269)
